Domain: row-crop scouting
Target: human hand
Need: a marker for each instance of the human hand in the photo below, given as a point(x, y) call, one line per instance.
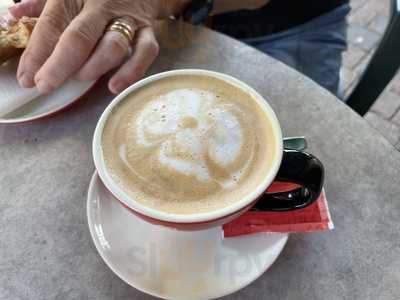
point(70, 40)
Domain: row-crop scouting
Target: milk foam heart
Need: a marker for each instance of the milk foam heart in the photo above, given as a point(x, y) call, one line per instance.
point(188, 144)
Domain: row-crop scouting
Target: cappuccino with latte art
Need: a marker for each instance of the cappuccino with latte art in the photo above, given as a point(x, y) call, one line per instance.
point(188, 144)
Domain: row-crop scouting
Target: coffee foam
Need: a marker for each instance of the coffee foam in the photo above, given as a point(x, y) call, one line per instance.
point(190, 126)
point(187, 144)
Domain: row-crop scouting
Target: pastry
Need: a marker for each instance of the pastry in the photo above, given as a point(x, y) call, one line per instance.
point(14, 37)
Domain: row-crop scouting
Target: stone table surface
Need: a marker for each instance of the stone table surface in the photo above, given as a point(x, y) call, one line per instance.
point(46, 251)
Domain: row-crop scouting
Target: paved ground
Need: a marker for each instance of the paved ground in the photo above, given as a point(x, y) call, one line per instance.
point(367, 23)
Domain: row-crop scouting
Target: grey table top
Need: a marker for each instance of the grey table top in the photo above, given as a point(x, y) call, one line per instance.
point(46, 250)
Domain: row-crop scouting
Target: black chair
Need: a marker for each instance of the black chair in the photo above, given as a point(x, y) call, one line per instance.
point(382, 67)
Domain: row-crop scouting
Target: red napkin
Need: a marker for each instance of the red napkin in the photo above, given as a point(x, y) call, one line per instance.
point(315, 217)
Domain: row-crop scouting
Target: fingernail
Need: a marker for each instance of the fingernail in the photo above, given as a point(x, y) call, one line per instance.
point(115, 88)
point(14, 9)
point(43, 86)
point(26, 80)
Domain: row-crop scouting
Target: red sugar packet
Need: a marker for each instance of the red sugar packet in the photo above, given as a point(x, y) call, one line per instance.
point(315, 217)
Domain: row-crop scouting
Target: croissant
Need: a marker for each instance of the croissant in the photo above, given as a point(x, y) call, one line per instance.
point(14, 37)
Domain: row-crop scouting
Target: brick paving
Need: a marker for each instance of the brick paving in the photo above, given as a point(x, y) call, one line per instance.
point(367, 23)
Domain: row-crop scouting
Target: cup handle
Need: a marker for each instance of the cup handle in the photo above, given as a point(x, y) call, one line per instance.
point(299, 168)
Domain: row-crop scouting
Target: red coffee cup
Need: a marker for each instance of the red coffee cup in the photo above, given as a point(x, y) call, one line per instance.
point(288, 166)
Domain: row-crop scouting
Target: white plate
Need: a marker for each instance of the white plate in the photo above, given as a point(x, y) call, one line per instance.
point(173, 264)
point(42, 106)
point(4, 5)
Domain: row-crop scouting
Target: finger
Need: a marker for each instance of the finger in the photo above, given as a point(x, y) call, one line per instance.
point(110, 53)
point(145, 52)
point(72, 51)
point(48, 29)
point(27, 8)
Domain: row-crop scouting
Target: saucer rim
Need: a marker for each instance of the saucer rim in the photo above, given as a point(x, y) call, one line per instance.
point(91, 190)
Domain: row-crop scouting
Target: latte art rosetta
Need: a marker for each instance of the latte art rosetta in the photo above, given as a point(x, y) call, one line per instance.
point(190, 133)
point(188, 144)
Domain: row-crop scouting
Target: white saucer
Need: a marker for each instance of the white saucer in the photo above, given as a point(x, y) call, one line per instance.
point(173, 264)
point(42, 106)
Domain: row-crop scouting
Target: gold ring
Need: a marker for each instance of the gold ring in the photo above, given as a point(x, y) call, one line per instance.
point(123, 27)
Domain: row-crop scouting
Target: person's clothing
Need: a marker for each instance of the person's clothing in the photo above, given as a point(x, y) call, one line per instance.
point(276, 16)
point(314, 49)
